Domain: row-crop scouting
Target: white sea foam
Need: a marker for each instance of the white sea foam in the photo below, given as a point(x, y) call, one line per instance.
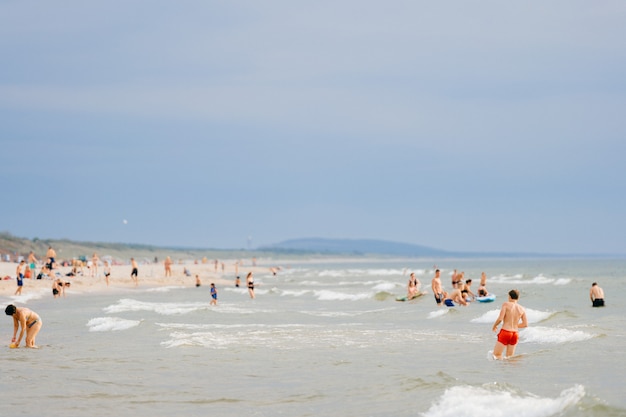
point(385, 286)
point(533, 316)
point(521, 280)
point(109, 324)
point(165, 288)
point(328, 295)
point(29, 296)
point(167, 309)
point(466, 401)
point(438, 313)
point(294, 293)
point(355, 272)
point(550, 335)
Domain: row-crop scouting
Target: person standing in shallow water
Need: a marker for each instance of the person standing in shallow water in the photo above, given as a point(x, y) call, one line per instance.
point(513, 317)
point(437, 288)
point(25, 319)
point(250, 284)
point(213, 295)
point(597, 295)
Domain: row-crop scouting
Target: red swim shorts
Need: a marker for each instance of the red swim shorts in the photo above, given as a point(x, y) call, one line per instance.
point(507, 337)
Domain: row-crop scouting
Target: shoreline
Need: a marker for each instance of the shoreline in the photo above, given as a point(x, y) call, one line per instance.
point(150, 275)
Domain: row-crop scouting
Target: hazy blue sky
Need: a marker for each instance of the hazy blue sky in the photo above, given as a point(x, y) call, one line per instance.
point(484, 125)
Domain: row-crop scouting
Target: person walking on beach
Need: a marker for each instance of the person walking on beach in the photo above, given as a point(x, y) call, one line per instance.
point(134, 272)
point(250, 283)
point(513, 317)
point(107, 272)
point(198, 282)
point(213, 295)
point(437, 288)
point(597, 295)
point(20, 277)
point(25, 319)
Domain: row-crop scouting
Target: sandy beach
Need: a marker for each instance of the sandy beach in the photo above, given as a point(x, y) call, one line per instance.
point(150, 275)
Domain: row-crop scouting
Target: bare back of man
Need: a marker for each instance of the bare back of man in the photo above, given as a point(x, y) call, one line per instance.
point(513, 317)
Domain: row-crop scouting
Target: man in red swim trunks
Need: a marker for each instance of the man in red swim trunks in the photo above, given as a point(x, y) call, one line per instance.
point(513, 317)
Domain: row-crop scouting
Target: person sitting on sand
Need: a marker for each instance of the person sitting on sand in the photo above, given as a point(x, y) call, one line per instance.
point(25, 319)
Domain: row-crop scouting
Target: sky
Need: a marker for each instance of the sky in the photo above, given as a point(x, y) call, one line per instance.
point(465, 126)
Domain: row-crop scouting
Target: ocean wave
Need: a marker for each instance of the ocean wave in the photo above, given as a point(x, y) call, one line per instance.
point(533, 316)
point(438, 313)
point(483, 402)
point(521, 280)
point(551, 335)
point(29, 296)
point(167, 309)
point(109, 324)
point(165, 288)
point(328, 295)
point(318, 313)
point(294, 293)
point(355, 272)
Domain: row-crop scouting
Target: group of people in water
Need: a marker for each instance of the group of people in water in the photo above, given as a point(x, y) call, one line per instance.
point(460, 294)
point(512, 316)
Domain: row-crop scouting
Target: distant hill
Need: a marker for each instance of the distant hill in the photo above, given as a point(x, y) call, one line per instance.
point(356, 247)
point(295, 248)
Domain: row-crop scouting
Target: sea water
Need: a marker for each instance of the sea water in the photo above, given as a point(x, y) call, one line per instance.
point(328, 339)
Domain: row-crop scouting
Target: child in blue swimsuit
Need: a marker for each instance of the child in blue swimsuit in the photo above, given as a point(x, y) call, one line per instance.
point(213, 294)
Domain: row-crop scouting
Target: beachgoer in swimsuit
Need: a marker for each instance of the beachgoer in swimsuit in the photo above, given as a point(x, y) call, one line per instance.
point(107, 272)
point(135, 271)
point(213, 294)
point(597, 295)
point(25, 319)
point(20, 278)
point(51, 255)
point(250, 283)
point(413, 286)
point(437, 288)
point(513, 317)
